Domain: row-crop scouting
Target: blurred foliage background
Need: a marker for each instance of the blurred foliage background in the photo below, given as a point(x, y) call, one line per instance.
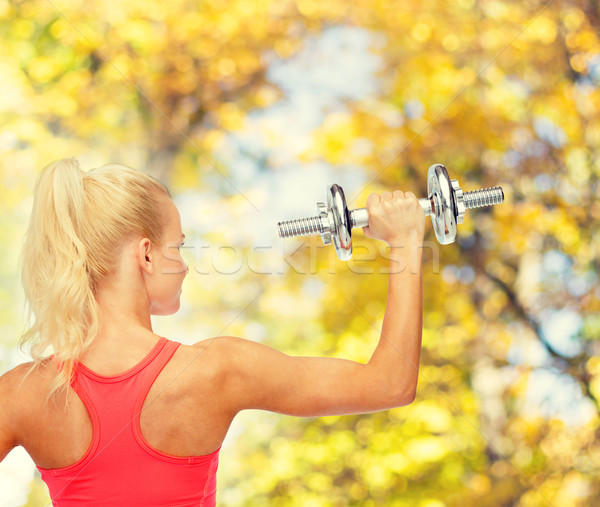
point(222, 100)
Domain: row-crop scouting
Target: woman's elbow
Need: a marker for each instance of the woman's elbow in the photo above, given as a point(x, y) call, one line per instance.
point(389, 394)
point(409, 397)
point(405, 396)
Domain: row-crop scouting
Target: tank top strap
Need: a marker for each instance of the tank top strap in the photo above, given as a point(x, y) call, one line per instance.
point(147, 376)
point(152, 369)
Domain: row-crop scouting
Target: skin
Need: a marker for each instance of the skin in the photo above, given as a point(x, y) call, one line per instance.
point(233, 373)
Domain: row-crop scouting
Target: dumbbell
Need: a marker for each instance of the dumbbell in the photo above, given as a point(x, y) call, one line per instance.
point(446, 204)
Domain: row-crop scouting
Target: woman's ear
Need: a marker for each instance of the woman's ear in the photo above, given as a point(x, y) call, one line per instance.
point(145, 255)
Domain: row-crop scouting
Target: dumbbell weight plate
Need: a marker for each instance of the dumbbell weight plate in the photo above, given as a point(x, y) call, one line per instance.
point(443, 217)
point(342, 233)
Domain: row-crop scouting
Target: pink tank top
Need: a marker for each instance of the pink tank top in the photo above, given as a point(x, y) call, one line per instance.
point(120, 468)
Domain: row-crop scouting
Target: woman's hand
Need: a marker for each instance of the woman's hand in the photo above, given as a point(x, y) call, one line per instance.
point(398, 218)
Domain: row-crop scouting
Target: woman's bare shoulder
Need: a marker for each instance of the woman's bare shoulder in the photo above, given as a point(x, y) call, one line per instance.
point(21, 389)
point(26, 378)
point(215, 346)
point(220, 349)
point(205, 357)
point(214, 355)
point(23, 372)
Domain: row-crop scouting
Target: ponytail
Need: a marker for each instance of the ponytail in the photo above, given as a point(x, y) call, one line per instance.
point(78, 221)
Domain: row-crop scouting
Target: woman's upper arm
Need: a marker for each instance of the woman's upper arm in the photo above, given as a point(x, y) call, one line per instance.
point(259, 377)
point(7, 437)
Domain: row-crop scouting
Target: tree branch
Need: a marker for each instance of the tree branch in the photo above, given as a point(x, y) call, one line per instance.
point(573, 365)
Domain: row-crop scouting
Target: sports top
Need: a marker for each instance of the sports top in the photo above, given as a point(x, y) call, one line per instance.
point(120, 468)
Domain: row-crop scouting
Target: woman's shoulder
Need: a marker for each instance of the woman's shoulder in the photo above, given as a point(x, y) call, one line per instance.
point(23, 388)
point(214, 347)
point(189, 361)
point(26, 378)
point(220, 350)
point(219, 344)
point(211, 356)
point(25, 371)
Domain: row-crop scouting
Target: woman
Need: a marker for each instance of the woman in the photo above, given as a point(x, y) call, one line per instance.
point(118, 415)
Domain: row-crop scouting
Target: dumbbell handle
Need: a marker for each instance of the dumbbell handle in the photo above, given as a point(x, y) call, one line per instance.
point(360, 217)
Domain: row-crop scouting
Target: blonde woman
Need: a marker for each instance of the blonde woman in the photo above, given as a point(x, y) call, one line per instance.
point(113, 414)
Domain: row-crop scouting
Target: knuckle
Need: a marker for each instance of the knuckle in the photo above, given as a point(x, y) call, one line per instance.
point(372, 200)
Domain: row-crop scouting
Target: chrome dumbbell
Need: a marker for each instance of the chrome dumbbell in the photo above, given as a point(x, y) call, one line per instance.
point(446, 205)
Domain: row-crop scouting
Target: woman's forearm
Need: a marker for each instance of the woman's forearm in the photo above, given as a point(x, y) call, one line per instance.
point(394, 365)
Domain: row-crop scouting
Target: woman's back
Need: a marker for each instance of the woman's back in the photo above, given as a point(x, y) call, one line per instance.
point(180, 416)
point(185, 419)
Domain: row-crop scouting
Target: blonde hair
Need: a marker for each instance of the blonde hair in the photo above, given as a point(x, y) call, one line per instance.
point(79, 222)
